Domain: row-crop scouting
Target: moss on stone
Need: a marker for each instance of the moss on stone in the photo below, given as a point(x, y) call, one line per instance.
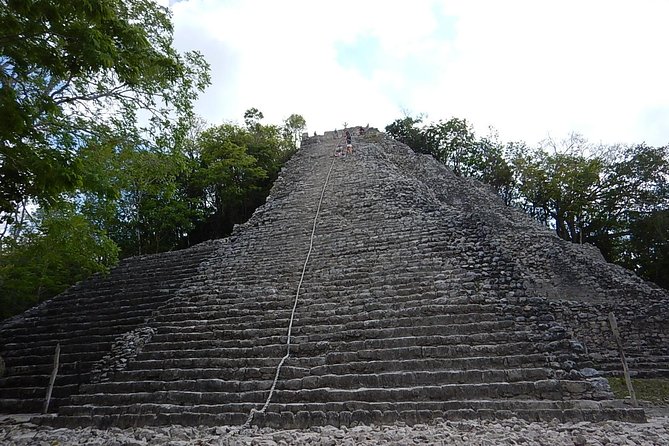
point(648, 389)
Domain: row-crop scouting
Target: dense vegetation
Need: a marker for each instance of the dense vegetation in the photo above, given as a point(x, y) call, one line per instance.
point(614, 197)
point(101, 156)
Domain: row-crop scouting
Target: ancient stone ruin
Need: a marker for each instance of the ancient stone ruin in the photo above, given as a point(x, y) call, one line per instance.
point(424, 297)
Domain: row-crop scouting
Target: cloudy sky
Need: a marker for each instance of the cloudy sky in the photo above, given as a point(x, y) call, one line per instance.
point(531, 69)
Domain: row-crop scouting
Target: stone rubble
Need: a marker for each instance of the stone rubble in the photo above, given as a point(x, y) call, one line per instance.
point(123, 351)
point(511, 431)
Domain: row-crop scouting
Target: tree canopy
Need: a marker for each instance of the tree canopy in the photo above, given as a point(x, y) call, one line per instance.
point(77, 72)
point(156, 200)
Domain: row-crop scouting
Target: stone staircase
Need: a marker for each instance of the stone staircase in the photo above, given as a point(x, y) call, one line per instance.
point(363, 361)
point(85, 320)
point(651, 366)
point(413, 307)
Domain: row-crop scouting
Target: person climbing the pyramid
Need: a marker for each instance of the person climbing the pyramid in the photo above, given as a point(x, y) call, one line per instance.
point(349, 144)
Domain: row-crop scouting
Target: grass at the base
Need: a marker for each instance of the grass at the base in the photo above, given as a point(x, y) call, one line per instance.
point(654, 390)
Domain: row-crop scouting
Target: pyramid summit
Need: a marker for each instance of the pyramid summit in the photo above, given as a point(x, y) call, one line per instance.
point(417, 295)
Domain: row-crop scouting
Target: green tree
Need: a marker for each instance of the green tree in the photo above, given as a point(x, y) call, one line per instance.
point(646, 249)
point(252, 118)
point(72, 71)
point(150, 213)
point(60, 248)
point(167, 199)
point(406, 131)
point(492, 167)
point(294, 125)
point(633, 206)
point(560, 189)
point(227, 176)
point(453, 143)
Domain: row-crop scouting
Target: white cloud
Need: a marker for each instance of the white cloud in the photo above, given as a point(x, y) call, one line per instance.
point(529, 68)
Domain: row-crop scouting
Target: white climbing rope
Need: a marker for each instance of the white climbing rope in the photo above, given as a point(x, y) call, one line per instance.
point(254, 411)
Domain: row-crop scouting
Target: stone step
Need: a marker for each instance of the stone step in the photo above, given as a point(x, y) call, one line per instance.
point(111, 305)
point(28, 405)
point(94, 292)
point(224, 298)
point(346, 381)
point(542, 389)
point(278, 318)
point(18, 383)
point(269, 297)
point(302, 347)
point(69, 368)
point(329, 333)
point(247, 331)
point(458, 355)
point(460, 351)
point(70, 364)
point(24, 362)
point(309, 416)
point(299, 415)
point(491, 363)
point(660, 371)
point(59, 391)
point(633, 361)
point(99, 334)
point(193, 252)
point(258, 368)
point(221, 363)
point(138, 284)
point(229, 373)
point(34, 380)
point(341, 304)
point(24, 334)
point(438, 352)
point(279, 323)
point(337, 303)
point(139, 296)
point(41, 351)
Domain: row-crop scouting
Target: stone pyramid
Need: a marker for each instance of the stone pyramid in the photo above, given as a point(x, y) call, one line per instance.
point(423, 297)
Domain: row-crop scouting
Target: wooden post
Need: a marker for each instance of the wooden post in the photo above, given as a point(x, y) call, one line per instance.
point(54, 372)
point(626, 372)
